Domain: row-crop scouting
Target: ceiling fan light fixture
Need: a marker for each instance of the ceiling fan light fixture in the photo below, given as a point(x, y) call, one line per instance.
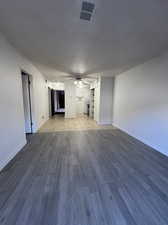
point(79, 83)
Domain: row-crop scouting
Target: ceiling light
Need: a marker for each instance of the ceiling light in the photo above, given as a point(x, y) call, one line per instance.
point(78, 83)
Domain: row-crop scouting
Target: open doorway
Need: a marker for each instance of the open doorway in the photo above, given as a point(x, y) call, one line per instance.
point(57, 102)
point(27, 101)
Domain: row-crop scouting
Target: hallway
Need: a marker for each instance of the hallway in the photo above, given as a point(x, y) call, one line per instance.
point(105, 59)
point(100, 177)
point(81, 122)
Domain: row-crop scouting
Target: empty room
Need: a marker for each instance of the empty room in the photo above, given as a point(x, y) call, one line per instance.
point(84, 112)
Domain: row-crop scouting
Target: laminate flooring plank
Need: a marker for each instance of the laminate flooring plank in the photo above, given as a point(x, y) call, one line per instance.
point(91, 177)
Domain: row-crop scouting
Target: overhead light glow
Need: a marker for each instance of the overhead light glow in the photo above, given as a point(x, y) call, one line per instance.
point(78, 83)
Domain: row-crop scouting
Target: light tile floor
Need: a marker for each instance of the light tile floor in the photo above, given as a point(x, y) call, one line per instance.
point(82, 122)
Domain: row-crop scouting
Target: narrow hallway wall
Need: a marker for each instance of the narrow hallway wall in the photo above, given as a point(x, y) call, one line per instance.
point(12, 137)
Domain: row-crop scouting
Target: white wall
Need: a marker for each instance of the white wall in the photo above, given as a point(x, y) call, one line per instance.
point(141, 103)
point(11, 101)
point(103, 101)
point(70, 100)
point(76, 99)
point(106, 101)
point(39, 92)
point(96, 87)
point(82, 99)
point(56, 86)
point(97, 102)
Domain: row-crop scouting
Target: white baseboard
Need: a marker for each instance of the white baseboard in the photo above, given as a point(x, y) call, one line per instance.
point(103, 123)
point(144, 141)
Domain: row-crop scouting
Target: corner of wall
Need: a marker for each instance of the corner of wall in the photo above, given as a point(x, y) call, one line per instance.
point(17, 149)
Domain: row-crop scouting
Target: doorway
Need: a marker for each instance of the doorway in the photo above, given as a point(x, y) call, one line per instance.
point(27, 101)
point(57, 102)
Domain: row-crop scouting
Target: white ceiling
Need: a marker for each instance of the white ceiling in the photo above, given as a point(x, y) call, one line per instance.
point(122, 33)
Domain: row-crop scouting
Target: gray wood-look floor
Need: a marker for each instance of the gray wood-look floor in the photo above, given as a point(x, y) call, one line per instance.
point(101, 177)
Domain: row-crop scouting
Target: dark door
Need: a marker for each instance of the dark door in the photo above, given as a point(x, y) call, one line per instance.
point(61, 99)
point(52, 102)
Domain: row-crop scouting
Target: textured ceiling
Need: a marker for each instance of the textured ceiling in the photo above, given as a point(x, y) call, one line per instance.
point(120, 35)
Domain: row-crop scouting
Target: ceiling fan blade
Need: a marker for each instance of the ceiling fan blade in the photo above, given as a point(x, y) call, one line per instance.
point(70, 76)
point(89, 77)
point(85, 81)
point(62, 78)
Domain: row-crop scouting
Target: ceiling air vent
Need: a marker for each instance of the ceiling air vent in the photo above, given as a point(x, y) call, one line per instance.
point(88, 7)
point(85, 16)
point(87, 11)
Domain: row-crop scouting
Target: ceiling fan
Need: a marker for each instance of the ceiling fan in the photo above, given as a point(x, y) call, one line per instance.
point(79, 80)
